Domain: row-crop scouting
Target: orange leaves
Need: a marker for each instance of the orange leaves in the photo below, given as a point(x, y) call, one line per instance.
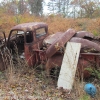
point(55, 23)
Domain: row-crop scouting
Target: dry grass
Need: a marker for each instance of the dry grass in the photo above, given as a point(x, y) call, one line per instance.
point(55, 23)
point(27, 84)
point(20, 82)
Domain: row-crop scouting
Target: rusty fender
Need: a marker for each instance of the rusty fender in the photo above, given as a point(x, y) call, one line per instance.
point(56, 61)
point(51, 38)
point(86, 43)
point(82, 34)
point(60, 42)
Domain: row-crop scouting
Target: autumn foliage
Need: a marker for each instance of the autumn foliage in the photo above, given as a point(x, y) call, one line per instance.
point(55, 23)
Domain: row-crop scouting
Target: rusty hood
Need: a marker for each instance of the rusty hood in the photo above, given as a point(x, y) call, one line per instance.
point(52, 38)
point(58, 41)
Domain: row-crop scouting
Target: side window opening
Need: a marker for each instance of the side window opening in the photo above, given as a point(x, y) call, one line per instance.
point(40, 32)
point(29, 37)
point(16, 39)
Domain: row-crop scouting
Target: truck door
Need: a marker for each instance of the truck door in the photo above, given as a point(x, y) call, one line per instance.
point(29, 55)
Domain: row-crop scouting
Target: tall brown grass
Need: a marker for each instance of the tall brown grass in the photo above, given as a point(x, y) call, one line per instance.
point(55, 23)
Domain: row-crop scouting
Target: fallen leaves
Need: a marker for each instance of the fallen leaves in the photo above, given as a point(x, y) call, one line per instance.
point(35, 86)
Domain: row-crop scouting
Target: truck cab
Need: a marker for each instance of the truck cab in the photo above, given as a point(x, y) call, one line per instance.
point(28, 38)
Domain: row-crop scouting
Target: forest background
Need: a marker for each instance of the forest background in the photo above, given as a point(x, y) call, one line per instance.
point(58, 14)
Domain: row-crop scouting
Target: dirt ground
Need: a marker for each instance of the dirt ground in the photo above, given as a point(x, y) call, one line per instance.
point(32, 84)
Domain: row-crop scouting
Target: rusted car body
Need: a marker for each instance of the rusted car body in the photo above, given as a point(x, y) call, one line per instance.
point(39, 47)
point(29, 39)
point(89, 54)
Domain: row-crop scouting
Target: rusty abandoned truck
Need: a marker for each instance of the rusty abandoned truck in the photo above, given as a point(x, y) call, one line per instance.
point(32, 40)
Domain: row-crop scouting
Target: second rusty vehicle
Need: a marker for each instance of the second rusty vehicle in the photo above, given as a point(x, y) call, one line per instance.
point(32, 40)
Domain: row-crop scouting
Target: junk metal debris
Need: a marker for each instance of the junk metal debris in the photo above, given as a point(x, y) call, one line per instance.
point(32, 40)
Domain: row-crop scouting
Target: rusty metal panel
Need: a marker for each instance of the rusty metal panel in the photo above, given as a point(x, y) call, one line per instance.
point(54, 61)
point(29, 56)
point(86, 43)
point(88, 60)
point(29, 26)
point(82, 34)
point(51, 38)
point(60, 42)
point(82, 65)
point(93, 58)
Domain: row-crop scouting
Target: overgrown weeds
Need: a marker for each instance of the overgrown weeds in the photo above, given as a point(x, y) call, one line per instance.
point(55, 23)
point(24, 83)
point(20, 82)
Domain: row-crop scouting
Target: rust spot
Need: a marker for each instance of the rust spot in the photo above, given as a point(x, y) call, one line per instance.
point(57, 46)
point(83, 34)
point(86, 44)
point(65, 37)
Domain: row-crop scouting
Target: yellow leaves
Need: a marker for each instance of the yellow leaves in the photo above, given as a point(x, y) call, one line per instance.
point(55, 24)
point(14, 85)
point(57, 46)
point(7, 98)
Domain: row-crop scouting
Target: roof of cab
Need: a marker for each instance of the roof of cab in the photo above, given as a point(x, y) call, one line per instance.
point(29, 26)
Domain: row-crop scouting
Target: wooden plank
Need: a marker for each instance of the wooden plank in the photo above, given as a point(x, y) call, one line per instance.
point(69, 65)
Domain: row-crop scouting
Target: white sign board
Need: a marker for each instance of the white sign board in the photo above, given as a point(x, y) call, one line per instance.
point(69, 65)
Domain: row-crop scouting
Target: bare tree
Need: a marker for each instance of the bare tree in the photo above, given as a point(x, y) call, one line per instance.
point(86, 8)
point(9, 6)
point(22, 6)
point(52, 6)
point(59, 7)
point(14, 6)
point(36, 7)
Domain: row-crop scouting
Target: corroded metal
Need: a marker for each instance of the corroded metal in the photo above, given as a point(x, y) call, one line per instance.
point(29, 26)
point(88, 61)
point(52, 38)
point(60, 42)
point(54, 61)
point(83, 34)
point(47, 49)
point(86, 43)
point(85, 62)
